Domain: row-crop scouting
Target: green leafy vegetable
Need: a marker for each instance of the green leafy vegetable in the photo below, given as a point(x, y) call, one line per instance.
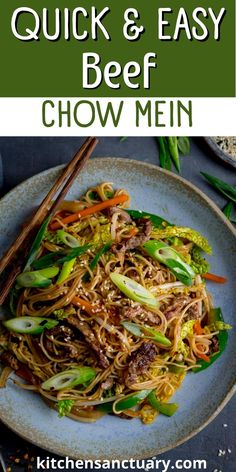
point(64, 407)
point(171, 258)
point(198, 262)
point(146, 332)
point(70, 378)
point(60, 314)
point(29, 324)
point(186, 330)
point(183, 232)
point(133, 290)
point(167, 409)
point(51, 237)
point(227, 190)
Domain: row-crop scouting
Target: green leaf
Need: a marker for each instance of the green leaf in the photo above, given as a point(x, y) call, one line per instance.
point(146, 332)
point(173, 147)
point(64, 407)
point(167, 409)
point(131, 400)
point(227, 210)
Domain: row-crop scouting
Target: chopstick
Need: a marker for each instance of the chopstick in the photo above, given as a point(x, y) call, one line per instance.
point(67, 177)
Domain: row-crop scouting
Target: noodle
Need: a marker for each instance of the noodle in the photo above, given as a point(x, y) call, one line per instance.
point(50, 353)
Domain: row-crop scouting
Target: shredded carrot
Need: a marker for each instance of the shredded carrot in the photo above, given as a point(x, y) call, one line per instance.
point(215, 278)
point(90, 210)
point(204, 357)
point(132, 232)
point(84, 304)
point(197, 328)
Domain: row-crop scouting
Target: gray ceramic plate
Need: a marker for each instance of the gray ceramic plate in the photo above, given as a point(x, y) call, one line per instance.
point(202, 395)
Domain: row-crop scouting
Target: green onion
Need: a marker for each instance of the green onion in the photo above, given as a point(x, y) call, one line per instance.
point(146, 332)
point(164, 154)
point(133, 290)
point(36, 244)
point(167, 409)
point(65, 271)
point(67, 238)
point(95, 260)
point(171, 258)
point(59, 257)
point(173, 148)
point(227, 190)
point(131, 400)
point(29, 324)
point(38, 278)
point(70, 378)
point(227, 210)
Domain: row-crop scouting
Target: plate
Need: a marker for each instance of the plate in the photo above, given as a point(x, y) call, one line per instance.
point(219, 153)
point(202, 395)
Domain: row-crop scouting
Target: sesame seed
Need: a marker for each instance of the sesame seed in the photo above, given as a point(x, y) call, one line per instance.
point(225, 425)
point(229, 451)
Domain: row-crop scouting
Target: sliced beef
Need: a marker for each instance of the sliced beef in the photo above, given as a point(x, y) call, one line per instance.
point(9, 360)
point(22, 370)
point(215, 344)
point(91, 339)
point(65, 334)
point(107, 384)
point(134, 312)
point(140, 361)
point(145, 228)
point(177, 306)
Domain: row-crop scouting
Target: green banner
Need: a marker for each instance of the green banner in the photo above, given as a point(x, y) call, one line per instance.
point(60, 48)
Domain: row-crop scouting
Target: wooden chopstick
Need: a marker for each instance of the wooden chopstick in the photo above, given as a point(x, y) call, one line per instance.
point(70, 172)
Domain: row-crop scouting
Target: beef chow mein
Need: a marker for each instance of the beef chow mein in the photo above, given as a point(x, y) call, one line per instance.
point(111, 312)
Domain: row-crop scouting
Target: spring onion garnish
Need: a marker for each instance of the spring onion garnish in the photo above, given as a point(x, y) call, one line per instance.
point(59, 257)
point(167, 409)
point(95, 260)
point(66, 270)
point(70, 378)
point(67, 238)
point(226, 189)
point(29, 324)
point(131, 400)
point(171, 258)
point(37, 243)
point(146, 332)
point(134, 290)
point(38, 278)
point(157, 221)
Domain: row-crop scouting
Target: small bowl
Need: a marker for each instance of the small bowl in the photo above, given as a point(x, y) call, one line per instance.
point(219, 153)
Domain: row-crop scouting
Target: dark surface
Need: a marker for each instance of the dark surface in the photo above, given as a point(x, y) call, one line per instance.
point(24, 157)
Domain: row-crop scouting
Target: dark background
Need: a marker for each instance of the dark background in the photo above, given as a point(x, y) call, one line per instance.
point(24, 157)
